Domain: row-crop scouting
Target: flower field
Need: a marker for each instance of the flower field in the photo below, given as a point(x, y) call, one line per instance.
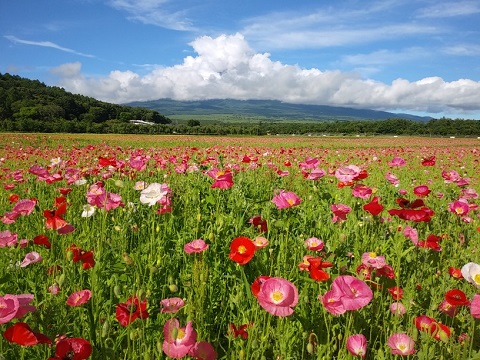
point(152, 247)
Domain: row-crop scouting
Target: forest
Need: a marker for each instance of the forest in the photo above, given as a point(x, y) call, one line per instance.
point(31, 106)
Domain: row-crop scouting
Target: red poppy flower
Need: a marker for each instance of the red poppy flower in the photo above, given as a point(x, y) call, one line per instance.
point(20, 333)
point(363, 174)
point(315, 269)
point(456, 273)
point(64, 191)
point(432, 242)
point(240, 331)
point(130, 310)
point(386, 271)
point(373, 207)
point(86, 257)
point(396, 292)
point(259, 223)
point(13, 198)
point(106, 162)
point(421, 190)
point(456, 297)
point(364, 271)
point(255, 287)
point(418, 215)
point(42, 240)
point(428, 161)
point(54, 220)
point(407, 204)
point(242, 250)
point(73, 348)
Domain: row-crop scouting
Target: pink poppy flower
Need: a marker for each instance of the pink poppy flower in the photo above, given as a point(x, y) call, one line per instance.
point(347, 173)
point(331, 302)
point(24, 207)
point(31, 258)
point(171, 305)
point(373, 260)
point(178, 340)
point(397, 161)
point(314, 244)
point(260, 242)
point(475, 306)
point(96, 195)
point(278, 296)
point(447, 308)
point(9, 306)
point(450, 176)
point(392, 179)
point(54, 289)
point(315, 174)
point(401, 344)
point(203, 351)
point(362, 191)
point(23, 305)
point(79, 298)
point(340, 212)
point(286, 199)
point(459, 207)
point(223, 179)
point(357, 345)
point(8, 239)
point(397, 309)
point(412, 234)
point(352, 292)
point(469, 194)
point(196, 246)
point(421, 190)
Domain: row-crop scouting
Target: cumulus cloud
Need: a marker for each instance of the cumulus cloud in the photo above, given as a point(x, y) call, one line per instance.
point(227, 67)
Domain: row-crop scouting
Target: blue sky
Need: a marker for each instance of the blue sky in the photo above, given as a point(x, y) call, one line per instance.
point(415, 56)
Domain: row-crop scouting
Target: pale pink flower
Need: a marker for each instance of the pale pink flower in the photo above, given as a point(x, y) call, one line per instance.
point(140, 185)
point(401, 344)
point(260, 242)
point(373, 260)
point(278, 296)
point(54, 289)
point(316, 174)
point(112, 201)
point(79, 298)
point(397, 309)
point(195, 246)
point(8, 239)
point(309, 163)
point(469, 193)
point(286, 199)
point(203, 351)
point(412, 234)
point(392, 179)
point(347, 173)
point(154, 193)
point(397, 161)
point(96, 195)
point(178, 340)
point(357, 345)
point(171, 305)
point(31, 258)
point(331, 302)
point(362, 191)
point(475, 306)
point(314, 244)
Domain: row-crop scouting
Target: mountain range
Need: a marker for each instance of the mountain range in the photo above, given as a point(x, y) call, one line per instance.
point(272, 109)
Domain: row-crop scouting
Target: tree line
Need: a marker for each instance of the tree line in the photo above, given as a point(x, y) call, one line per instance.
point(31, 106)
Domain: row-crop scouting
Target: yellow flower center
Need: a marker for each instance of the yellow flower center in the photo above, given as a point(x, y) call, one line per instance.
point(242, 249)
point(277, 296)
point(476, 278)
point(180, 334)
point(291, 201)
point(402, 347)
point(459, 210)
point(372, 255)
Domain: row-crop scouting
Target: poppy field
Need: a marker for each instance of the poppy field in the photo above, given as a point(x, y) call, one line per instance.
point(152, 247)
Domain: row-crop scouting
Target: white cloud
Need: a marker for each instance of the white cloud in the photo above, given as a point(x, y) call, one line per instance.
point(227, 67)
point(155, 12)
point(48, 44)
point(463, 50)
point(445, 9)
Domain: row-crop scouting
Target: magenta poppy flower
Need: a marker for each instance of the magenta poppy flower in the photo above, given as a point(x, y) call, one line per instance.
point(362, 191)
point(23, 305)
point(178, 340)
point(278, 296)
point(357, 345)
point(421, 190)
point(9, 306)
point(24, 207)
point(171, 305)
point(31, 258)
point(8, 238)
point(79, 298)
point(459, 207)
point(196, 246)
point(475, 306)
point(203, 351)
point(348, 293)
point(392, 179)
point(315, 174)
point(286, 199)
point(373, 260)
point(401, 344)
point(223, 179)
point(397, 161)
point(331, 302)
point(340, 212)
point(447, 308)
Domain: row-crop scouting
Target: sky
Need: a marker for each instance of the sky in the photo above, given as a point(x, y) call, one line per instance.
point(407, 56)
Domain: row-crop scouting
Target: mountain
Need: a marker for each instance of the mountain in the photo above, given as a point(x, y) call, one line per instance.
point(268, 108)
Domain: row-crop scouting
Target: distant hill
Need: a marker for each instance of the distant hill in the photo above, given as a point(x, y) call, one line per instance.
point(269, 109)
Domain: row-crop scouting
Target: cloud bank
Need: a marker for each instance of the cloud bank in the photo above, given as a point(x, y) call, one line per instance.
point(227, 67)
